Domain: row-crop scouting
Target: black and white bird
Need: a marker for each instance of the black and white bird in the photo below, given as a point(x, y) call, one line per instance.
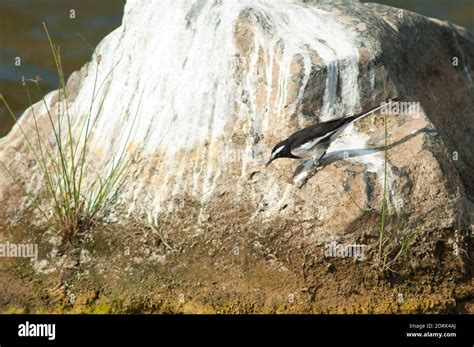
point(313, 141)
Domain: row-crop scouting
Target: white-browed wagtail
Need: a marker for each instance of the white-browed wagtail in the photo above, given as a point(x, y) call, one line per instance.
point(313, 141)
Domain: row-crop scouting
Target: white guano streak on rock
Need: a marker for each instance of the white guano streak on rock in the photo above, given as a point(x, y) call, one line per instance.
point(184, 92)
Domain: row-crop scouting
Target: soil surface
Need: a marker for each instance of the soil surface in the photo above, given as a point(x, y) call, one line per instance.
point(131, 268)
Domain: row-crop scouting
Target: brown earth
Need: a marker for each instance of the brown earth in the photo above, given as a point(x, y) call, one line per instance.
point(132, 269)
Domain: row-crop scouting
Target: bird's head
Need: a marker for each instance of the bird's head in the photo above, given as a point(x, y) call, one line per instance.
point(281, 150)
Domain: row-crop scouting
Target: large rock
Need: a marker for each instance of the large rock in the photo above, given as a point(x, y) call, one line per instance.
point(216, 84)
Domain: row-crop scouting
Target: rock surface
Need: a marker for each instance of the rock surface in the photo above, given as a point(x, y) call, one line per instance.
point(215, 84)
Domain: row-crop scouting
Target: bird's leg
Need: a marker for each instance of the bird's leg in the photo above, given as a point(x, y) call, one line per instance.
point(308, 177)
point(304, 172)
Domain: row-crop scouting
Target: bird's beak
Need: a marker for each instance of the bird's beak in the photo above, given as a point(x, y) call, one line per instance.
point(271, 159)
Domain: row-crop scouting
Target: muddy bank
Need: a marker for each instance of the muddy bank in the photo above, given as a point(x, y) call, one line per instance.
point(132, 269)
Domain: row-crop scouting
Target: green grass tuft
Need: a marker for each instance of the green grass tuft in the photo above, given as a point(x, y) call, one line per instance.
point(393, 242)
point(71, 206)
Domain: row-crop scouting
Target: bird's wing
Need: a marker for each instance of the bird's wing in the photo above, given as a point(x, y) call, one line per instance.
point(308, 138)
point(320, 130)
point(315, 152)
point(309, 149)
point(305, 140)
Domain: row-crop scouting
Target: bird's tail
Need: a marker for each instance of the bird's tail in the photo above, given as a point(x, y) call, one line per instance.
point(373, 109)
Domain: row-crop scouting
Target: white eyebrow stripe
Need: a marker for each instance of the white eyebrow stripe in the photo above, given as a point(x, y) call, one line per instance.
point(279, 149)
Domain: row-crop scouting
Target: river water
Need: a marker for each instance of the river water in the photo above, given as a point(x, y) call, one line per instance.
point(22, 36)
